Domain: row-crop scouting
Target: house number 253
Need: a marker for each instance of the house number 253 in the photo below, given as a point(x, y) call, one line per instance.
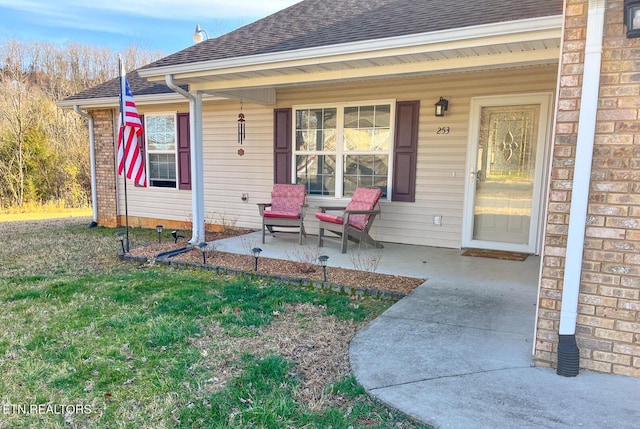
point(443, 130)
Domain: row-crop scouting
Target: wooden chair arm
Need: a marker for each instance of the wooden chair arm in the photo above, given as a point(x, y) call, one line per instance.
point(323, 209)
point(261, 207)
point(364, 212)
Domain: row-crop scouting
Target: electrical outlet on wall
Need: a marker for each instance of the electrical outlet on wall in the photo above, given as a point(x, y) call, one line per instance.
point(437, 220)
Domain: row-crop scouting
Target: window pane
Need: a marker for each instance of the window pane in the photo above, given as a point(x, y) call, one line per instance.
point(367, 128)
point(330, 140)
point(160, 132)
point(365, 171)
point(383, 116)
point(381, 139)
point(316, 129)
point(317, 172)
point(162, 166)
point(351, 117)
point(366, 117)
point(330, 116)
point(351, 138)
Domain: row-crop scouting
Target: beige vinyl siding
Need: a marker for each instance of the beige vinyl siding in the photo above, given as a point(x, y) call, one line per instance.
point(441, 163)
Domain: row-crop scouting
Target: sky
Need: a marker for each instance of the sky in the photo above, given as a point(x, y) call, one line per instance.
point(154, 25)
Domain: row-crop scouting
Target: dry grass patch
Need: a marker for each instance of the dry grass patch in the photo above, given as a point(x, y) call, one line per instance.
point(302, 333)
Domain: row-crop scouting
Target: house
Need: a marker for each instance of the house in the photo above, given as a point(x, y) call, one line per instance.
point(535, 151)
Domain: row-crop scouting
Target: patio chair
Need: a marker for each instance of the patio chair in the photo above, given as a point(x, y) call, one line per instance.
point(286, 209)
point(356, 220)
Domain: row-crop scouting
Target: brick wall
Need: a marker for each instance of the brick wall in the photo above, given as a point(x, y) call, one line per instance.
point(105, 167)
point(608, 330)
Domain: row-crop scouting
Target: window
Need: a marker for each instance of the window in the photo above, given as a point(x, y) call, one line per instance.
point(160, 132)
point(339, 148)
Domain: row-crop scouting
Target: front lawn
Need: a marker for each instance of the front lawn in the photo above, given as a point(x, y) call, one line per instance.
point(87, 340)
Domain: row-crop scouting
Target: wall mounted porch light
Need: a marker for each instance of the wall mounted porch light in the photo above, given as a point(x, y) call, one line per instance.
point(632, 17)
point(199, 35)
point(256, 254)
point(159, 231)
point(443, 105)
point(323, 261)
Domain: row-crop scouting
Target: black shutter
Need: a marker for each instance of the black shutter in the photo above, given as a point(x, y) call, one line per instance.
point(405, 151)
point(184, 152)
point(282, 146)
point(141, 148)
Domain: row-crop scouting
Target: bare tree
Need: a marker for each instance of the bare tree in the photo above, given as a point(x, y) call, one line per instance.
point(44, 150)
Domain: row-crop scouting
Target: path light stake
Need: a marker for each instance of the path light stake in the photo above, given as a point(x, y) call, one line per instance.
point(323, 261)
point(176, 236)
point(159, 231)
point(203, 249)
point(256, 254)
point(120, 236)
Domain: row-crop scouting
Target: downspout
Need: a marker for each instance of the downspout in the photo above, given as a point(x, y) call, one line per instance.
point(92, 161)
point(568, 353)
point(197, 169)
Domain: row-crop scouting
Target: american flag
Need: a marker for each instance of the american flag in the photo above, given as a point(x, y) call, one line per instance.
point(129, 156)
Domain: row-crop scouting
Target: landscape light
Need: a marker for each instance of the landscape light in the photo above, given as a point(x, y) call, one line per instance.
point(323, 261)
point(256, 254)
point(120, 236)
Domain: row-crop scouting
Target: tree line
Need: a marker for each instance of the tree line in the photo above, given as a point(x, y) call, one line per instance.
point(44, 150)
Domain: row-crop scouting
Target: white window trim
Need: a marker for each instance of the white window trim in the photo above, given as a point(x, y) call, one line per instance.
point(339, 152)
point(161, 152)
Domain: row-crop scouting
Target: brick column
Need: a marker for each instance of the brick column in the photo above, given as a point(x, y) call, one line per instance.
point(608, 328)
point(105, 167)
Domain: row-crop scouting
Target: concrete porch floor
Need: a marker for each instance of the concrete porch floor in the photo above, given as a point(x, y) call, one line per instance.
point(457, 352)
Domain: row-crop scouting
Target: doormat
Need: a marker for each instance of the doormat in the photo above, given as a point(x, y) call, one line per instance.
point(496, 254)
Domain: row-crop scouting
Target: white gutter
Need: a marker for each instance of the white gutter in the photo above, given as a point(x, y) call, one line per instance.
point(111, 102)
point(92, 161)
point(581, 178)
point(197, 169)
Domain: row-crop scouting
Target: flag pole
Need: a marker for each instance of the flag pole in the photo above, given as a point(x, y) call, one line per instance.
point(122, 75)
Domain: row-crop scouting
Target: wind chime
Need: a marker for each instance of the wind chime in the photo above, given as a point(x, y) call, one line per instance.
point(241, 130)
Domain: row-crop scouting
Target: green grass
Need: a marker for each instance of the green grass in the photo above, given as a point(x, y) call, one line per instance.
point(140, 346)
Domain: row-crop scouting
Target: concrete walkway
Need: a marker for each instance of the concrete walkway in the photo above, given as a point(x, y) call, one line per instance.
point(457, 352)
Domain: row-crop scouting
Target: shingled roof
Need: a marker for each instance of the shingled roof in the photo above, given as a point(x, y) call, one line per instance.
point(318, 23)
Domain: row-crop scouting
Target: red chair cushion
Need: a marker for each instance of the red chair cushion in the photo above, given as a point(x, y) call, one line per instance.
point(281, 215)
point(363, 199)
point(286, 200)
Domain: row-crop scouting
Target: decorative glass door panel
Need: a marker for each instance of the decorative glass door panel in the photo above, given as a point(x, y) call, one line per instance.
point(505, 175)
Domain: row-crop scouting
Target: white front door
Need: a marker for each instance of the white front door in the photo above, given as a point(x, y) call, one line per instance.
point(508, 137)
